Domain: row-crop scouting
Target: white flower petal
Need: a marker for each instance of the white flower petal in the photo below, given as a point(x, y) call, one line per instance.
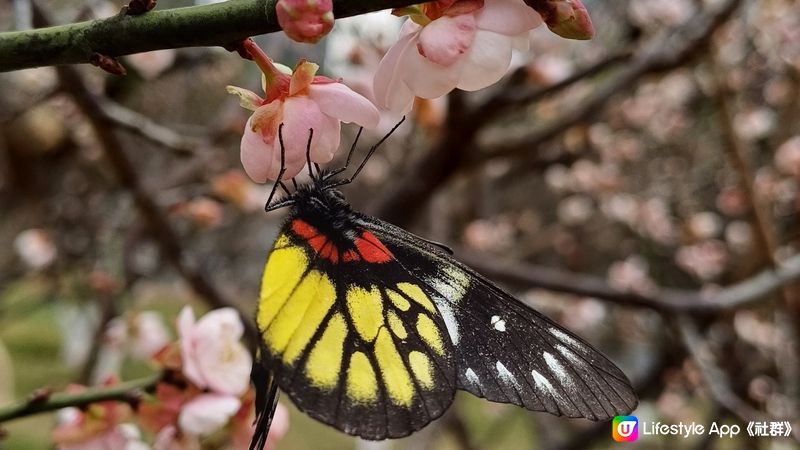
point(206, 413)
point(339, 101)
point(508, 17)
point(256, 155)
point(427, 79)
point(302, 114)
point(444, 40)
point(390, 91)
point(487, 62)
point(188, 348)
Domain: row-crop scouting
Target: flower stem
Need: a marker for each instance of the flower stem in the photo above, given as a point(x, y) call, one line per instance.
point(263, 61)
point(124, 392)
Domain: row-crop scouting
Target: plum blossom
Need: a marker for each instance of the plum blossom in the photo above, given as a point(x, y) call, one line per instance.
point(305, 20)
point(212, 354)
point(300, 100)
point(450, 44)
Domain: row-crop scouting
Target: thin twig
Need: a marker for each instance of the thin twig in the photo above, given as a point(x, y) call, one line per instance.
point(716, 378)
point(662, 54)
point(145, 127)
point(742, 294)
point(129, 391)
point(165, 235)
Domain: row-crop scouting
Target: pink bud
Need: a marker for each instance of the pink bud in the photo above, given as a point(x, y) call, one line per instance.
point(305, 20)
point(566, 18)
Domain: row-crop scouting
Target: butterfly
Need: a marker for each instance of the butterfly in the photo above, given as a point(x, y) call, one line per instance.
point(372, 330)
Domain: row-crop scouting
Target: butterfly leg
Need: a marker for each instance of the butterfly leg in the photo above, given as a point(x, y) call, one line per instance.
point(369, 155)
point(280, 172)
point(349, 155)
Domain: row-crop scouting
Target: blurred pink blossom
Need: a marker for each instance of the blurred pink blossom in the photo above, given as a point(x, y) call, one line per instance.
point(243, 426)
point(95, 427)
point(305, 20)
point(35, 248)
point(148, 334)
point(212, 354)
point(704, 225)
point(450, 44)
point(300, 101)
point(631, 275)
point(787, 157)
point(170, 438)
point(656, 222)
point(705, 260)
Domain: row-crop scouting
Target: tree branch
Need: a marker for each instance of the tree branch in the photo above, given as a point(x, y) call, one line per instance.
point(737, 295)
point(662, 54)
point(218, 24)
point(124, 392)
point(162, 231)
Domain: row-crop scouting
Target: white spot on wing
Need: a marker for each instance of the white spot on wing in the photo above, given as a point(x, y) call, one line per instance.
point(446, 310)
point(565, 338)
point(505, 375)
point(544, 384)
point(570, 355)
point(472, 377)
point(558, 369)
point(499, 324)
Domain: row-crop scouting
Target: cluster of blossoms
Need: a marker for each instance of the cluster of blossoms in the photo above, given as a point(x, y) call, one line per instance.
point(443, 45)
point(205, 389)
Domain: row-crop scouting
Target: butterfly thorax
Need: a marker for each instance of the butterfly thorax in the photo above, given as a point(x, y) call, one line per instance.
point(326, 222)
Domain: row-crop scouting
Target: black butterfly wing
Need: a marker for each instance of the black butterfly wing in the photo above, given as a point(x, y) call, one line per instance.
point(505, 351)
point(352, 344)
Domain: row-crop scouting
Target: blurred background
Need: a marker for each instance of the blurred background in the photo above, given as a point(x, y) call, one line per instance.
point(639, 188)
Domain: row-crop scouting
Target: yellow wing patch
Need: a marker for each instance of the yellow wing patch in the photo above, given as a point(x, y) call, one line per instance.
point(366, 311)
point(415, 293)
point(325, 359)
point(362, 386)
point(393, 371)
point(428, 332)
point(285, 267)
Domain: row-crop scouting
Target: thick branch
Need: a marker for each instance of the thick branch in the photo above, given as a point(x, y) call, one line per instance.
point(218, 24)
point(738, 295)
point(124, 392)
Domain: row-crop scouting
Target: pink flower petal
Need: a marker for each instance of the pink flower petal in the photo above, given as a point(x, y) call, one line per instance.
point(444, 40)
point(390, 91)
point(256, 156)
point(339, 101)
point(487, 62)
point(508, 17)
point(190, 367)
point(207, 413)
point(427, 79)
point(224, 362)
point(303, 114)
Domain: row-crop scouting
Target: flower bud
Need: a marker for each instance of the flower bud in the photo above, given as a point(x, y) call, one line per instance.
point(305, 20)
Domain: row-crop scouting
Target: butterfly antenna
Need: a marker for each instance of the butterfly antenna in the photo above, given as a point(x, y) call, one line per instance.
point(349, 155)
point(369, 155)
point(308, 153)
point(280, 172)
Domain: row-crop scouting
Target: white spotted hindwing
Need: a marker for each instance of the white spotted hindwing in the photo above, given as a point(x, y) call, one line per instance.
point(505, 351)
point(351, 338)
